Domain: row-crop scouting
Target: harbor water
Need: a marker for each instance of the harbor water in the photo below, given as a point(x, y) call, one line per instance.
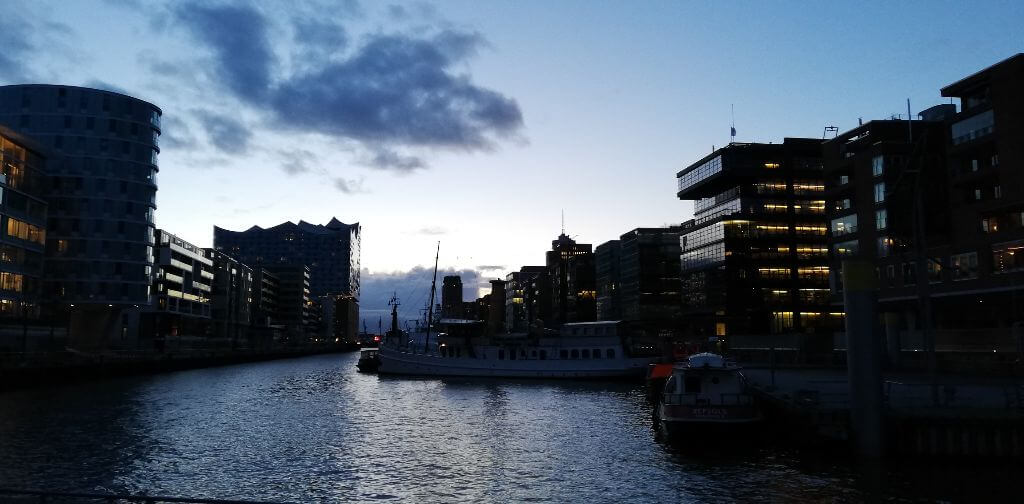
point(313, 429)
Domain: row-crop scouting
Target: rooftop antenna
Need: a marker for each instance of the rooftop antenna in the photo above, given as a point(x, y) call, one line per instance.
point(732, 129)
point(910, 124)
point(563, 221)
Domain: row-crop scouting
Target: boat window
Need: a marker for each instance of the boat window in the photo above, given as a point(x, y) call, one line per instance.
point(586, 353)
point(458, 351)
point(511, 355)
point(501, 354)
point(563, 354)
point(610, 353)
point(543, 355)
point(533, 353)
point(597, 353)
point(575, 353)
point(522, 354)
point(692, 384)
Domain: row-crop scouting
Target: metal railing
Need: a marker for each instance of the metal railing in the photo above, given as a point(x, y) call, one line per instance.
point(15, 495)
point(724, 399)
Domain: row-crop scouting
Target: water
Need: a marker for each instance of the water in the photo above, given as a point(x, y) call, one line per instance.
point(313, 429)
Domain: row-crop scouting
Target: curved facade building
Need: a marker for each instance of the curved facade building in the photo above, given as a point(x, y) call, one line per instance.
point(102, 190)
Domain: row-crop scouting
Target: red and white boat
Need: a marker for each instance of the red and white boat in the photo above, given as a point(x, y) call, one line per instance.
point(706, 393)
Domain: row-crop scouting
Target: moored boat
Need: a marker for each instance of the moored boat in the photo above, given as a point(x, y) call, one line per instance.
point(707, 392)
point(369, 360)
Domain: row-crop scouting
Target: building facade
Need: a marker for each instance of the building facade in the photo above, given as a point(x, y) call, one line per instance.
point(231, 300)
point(181, 312)
point(451, 297)
point(23, 213)
point(754, 259)
point(331, 251)
point(649, 288)
point(295, 307)
point(606, 280)
point(570, 266)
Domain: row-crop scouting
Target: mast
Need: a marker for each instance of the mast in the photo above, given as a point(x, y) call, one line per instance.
point(430, 309)
point(394, 315)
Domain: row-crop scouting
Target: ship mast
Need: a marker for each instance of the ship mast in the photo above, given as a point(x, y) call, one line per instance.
point(430, 308)
point(394, 316)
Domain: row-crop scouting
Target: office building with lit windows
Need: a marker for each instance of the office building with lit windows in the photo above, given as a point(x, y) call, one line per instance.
point(527, 298)
point(23, 214)
point(101, 198)
point(570, 266)
point(754, 259)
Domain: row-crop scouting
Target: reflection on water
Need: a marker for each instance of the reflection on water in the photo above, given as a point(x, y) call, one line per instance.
point(313, 429)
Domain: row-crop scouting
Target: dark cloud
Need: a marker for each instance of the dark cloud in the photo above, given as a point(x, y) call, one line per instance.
point(387, 159)
point(16, 49)
point(432, 231)
point(318, 37)
point(398, 90)
point(237, 35)
point(490, 268)
point(175, 134)
point(349, 186)
point(394, 90)
point(225, 133)
point(98, 84)
point(397, 12)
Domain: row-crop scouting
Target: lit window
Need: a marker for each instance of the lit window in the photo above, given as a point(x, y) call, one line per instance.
point(881, 219)
point(964, 266)
point(879, 192)
point(997, 192)
point(977, 194)
point(771, 166)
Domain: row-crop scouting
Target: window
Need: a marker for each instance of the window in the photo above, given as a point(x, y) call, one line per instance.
point(610, 353)
point(844, 179)
point(910, 273)
point(719, 328)
point(563, 354)
point(67, 122)
point(846, 248)
point(501, 354)
point(782, 321)
point(974, 165)
point(842, 204)
point(877, 165)
point(964, 266)
point(884, 246)
point(977, 195)
point(934, 271)
point(586, 353)
point(890, 275)
point(879, 192)
point(997, 192)
point(596, 353)
point(543, 355)
point(844, 225)
point(995, 160)
point(881, 219)
point(1008, 256)
point(575, 354)
point(990, 224)
point(90, 122)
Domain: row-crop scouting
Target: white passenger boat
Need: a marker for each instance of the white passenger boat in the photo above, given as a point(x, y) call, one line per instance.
point(581, 350)
point(706, 392)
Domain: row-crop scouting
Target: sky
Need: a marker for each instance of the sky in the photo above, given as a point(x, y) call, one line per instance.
point(477, 124)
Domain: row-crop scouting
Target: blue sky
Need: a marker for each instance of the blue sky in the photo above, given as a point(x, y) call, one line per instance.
point(507, 112)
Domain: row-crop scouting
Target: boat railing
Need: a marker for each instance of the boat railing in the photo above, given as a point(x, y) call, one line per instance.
point(693, 399)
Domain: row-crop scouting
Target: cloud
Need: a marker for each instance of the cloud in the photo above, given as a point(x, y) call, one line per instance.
point(175, 134)
point(349, 186)
point(20, 41)
point(432, 231)
point(297, 162)
point(490, 268)
point(237, 35)
point(387, 159)
point(225, 133)
point(392, 91)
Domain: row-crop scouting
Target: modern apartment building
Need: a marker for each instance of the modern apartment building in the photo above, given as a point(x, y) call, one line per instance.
point(521, 303)
point(101, 198)
point(182, 286)
point(570, 266)
point(606, 279)
point(331, 251)
point(23, 214)
point(231, 300)
point(754, 259)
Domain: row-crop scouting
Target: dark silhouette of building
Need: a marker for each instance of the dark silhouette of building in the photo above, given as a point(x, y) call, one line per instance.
point(606, 280)
point(102, 196)
point(496, 308)
point(231, 301)
point(754, 258)
point(295, 310)
point(331, 251)
point(451, 297)
point(23, 240)
point(570, 266)
point(649, 288)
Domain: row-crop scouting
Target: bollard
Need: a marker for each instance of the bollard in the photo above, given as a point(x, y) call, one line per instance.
point(863, 356)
